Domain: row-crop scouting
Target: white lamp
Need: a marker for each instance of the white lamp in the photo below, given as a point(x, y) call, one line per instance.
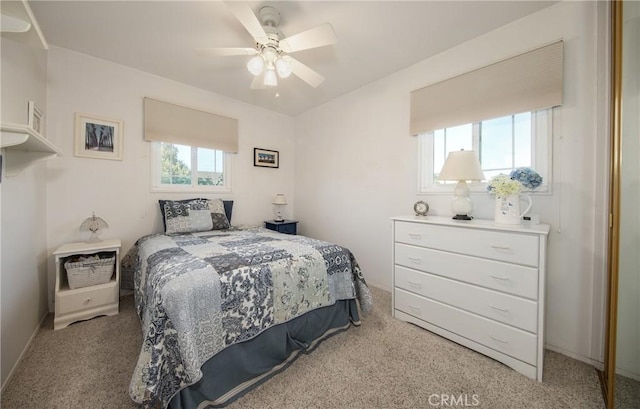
point(93, 224)
point(269, 62)
point(270, 78)
point(461, 166)
point(278, 202)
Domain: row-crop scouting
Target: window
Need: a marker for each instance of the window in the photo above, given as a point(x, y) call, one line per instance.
point(502, 144)
point(188, 168)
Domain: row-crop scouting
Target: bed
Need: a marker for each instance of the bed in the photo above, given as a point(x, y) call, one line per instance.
point(224, 309)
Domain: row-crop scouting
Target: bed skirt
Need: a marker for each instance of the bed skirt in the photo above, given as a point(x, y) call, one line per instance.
point(241, 367)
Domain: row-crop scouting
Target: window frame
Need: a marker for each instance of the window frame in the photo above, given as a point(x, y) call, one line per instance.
point(156, 173)
point(541, 162)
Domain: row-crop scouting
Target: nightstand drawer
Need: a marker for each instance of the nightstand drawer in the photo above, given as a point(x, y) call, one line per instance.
point(504, 308)
point(86, 298)
point(286, 227)
point(502, 246)
point(509, 278)
point(503, 338)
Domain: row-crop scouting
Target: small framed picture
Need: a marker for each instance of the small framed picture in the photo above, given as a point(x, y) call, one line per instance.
point(266, 158)
point(36, 118)
point(97, 137)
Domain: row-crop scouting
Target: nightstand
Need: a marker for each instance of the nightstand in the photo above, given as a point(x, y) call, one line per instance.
point(85, 302)
point(285, 226)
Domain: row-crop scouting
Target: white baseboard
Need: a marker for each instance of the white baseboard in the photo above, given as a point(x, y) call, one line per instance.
point(587, 360)
point(634, 376)
point(23, 353)
point(379, 286)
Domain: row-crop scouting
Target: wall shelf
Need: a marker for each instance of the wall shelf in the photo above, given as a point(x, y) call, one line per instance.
point(24, 146)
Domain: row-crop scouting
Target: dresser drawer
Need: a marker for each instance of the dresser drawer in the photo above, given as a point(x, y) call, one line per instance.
point(503, 338)
point(503, 246)
point(504, 308)
point(86, 298)
point(510, 278)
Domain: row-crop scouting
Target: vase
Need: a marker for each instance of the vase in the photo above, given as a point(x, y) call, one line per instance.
point(507, 209)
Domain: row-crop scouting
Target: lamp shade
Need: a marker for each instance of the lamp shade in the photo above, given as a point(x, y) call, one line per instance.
point(280, 199)
point(270, 78)
point(283, 67)
point(256, 65)
point(461, 165)
point(93, 224)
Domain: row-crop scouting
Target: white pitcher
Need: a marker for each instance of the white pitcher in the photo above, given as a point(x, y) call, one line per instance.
point(508, 209)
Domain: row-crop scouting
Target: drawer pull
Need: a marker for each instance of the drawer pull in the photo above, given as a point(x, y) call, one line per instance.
point(416, 309)
point(415, 260)
point(415, 285)
point(415, 236)
point(499, 308)
point(500, 278)
point(502, 341)
point(497, 247)
point(88, 300)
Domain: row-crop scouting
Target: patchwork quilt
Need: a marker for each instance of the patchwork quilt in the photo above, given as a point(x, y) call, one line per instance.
point(198, 293)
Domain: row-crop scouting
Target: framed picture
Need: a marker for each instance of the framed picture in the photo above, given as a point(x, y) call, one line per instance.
point(97, 137)
point(266, 158)
point(36, 118)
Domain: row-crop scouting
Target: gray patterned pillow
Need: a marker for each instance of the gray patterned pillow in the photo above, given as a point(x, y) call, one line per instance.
point(219, 219)
point(187, 217)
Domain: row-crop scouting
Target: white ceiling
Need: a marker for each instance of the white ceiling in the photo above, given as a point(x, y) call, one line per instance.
point(375, 39)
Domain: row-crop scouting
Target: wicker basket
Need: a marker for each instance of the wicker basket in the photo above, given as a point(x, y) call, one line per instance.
point(89, 271)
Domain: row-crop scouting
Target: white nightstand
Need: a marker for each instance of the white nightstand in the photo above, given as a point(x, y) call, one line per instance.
point(87, 302)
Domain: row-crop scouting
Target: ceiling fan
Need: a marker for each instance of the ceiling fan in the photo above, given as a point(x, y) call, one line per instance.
point(271, 57)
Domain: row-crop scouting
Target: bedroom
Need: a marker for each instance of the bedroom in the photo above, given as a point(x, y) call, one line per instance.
point(338, 194)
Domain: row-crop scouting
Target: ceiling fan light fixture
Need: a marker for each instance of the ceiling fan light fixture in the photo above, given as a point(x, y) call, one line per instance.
point(256, 65)
point(270, 78)
point(283, 67)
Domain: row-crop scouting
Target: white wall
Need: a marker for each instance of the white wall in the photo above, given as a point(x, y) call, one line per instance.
point(23, 251)
point(119, 191)
point(356, 166)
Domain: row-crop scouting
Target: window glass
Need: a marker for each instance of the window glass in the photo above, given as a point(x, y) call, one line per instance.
point(189, 168)
point(502, 144)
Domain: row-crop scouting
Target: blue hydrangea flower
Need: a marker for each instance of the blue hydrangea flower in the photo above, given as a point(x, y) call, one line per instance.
point(527, 176)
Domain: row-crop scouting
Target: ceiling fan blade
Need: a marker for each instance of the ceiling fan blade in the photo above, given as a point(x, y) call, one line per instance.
point(9, 24)
point(248, 19)
point(258, 82)
point(305, 73)
point(316, 37)
point(224, 52)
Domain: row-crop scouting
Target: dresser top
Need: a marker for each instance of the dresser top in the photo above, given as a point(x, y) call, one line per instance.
point(483, 224)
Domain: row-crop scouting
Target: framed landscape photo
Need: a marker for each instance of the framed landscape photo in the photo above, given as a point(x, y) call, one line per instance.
point(36, 118)
point(266, 158)
point(97, 137)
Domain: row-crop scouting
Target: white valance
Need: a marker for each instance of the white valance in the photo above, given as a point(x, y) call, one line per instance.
point(170, 123)
point(527, 82)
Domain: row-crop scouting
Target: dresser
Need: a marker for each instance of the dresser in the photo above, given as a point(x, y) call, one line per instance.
point(477, 283)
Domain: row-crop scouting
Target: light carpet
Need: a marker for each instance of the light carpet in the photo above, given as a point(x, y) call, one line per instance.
point(385, 363)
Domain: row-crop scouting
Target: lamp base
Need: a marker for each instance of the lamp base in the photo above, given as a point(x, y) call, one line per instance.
point(462, 217)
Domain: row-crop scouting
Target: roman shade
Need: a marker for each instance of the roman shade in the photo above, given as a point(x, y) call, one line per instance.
point(526, 82)
point(170, 123)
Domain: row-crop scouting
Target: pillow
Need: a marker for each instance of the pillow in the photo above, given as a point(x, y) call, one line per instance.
point(228, 209)
point(219, 219)
point(187, 217)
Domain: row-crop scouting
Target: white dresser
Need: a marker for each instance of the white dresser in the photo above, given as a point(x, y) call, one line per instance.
point(475, 282)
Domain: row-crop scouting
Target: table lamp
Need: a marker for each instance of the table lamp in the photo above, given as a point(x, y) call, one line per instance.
point(93, 224)
point(461, 166)
point(278, 202)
